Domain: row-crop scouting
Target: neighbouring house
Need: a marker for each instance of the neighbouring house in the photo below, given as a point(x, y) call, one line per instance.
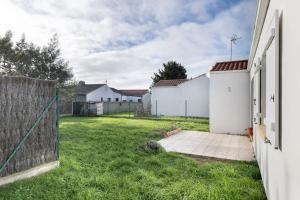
point(181, 97)
point(104, 93)
point(97, 92)
point(275, 96)
point(98, 99)
point(229, 97)
point(138, 95)
point(135, 95)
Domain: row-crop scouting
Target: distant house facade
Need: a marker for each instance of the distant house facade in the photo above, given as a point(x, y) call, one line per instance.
point(229, 97)
point(133, 95)
point(137, 95)
point(181, 97)
point(275, 96)
point(96, 93)
point(104, 93)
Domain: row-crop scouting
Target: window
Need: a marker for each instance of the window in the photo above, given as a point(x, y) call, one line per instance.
point(139, 100)
point(130, 100)
point(109, 99)
point(117, 99)
point(101, 99)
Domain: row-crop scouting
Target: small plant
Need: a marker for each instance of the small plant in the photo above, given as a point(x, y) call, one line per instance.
point(162, 132)
point(153, 146)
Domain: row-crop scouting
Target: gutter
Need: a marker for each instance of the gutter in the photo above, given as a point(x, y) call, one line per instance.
point(229, 71)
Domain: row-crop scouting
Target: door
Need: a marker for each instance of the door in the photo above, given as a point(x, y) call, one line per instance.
point(99, 107)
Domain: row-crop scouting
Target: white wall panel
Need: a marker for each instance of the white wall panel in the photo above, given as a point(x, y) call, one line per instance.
point(229, 102)
point(190, 98)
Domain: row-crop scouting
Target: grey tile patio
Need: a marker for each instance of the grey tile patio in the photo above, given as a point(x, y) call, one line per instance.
point(232, 147)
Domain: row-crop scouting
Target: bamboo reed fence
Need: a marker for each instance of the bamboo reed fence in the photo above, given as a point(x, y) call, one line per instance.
point(28, 123)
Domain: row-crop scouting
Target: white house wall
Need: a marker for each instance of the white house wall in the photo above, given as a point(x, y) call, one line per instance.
point(105, 92)
point(190, 98)
point(164, 101)
point(146, 99)
point(229, 102)
point(280, 167)
point(131, 98)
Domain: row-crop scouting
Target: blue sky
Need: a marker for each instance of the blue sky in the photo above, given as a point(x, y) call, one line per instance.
point(125, 41)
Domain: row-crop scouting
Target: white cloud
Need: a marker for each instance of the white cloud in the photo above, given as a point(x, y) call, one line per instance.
point(125, 41)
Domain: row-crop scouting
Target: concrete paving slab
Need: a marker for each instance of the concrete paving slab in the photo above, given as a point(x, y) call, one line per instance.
point(224, 146)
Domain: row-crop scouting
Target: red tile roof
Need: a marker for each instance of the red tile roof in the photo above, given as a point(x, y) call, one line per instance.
point(230, 65)
point(173, 82)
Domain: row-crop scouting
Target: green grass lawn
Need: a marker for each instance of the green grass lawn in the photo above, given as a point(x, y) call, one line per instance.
point(103, 158)
point(189, 123)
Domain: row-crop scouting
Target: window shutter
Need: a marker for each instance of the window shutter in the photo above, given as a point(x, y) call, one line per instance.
point(257, 103)
point(272, 120)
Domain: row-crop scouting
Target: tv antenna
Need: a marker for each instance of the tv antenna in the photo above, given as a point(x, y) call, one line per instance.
point(233, 40)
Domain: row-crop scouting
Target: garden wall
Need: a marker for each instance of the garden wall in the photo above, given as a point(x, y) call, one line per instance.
point(90, 108)
point(22, 101)
point(119, 107)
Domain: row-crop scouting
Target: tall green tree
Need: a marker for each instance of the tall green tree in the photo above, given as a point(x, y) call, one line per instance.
point(170, 70)
point(28, 59)
point(7, 54)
